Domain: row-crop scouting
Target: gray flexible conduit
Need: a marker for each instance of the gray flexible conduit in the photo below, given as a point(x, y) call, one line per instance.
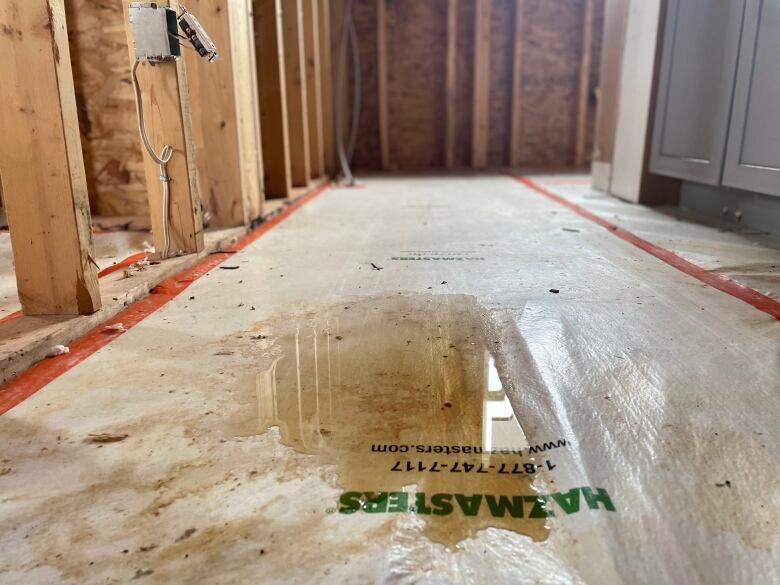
point(348, 37)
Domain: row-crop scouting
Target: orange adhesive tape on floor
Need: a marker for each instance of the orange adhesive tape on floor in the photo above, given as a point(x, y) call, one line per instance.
point(132, 259)
point(731, 287)
point(28, 383)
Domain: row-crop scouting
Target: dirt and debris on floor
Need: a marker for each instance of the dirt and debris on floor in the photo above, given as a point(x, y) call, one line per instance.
point(401, 396)
point(649, 399)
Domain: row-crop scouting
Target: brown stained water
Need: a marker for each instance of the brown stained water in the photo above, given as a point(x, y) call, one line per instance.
point(400, 394)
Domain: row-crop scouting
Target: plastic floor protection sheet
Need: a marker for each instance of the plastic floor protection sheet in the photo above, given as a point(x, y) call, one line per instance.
point(423, 381)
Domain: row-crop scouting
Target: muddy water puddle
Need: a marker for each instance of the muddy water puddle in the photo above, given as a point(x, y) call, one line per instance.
point(402, 396)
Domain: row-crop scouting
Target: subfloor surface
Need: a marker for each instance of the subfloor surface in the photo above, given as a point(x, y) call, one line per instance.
point(424, 380)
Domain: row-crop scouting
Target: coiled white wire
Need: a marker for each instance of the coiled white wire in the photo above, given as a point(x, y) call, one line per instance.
point(162, 159)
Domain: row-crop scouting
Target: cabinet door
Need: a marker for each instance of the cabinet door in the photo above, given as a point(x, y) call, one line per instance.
point(696, 82)
point(753, 155)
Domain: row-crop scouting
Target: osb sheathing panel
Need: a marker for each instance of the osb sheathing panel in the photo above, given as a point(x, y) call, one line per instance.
point(104, 95)
point(464, 82)
point(416, 77)
point(551, 62)
point(416, 54)
point(368, 155)
point(502, 36)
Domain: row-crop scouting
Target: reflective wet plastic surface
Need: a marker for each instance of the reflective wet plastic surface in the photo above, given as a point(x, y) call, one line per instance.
point(401, 394)
point(664, 391)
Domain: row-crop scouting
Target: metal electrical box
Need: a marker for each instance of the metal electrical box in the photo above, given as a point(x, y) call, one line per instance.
point(155, 32)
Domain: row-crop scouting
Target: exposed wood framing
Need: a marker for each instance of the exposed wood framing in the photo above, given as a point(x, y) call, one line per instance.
point(166, 107)
point(326, 68)
point(311, 27)
point(540, 86)
point(228, 183)
point(273, 97)
point(297, 105)
point(583, 96)
point(381, 52)
point(242, 41)
point(3, 221)
point(479, 148)
point(45, 187)
point(517, 86)
point(451, 89)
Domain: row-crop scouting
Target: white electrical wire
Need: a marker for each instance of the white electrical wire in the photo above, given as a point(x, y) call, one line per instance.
point(162, 159)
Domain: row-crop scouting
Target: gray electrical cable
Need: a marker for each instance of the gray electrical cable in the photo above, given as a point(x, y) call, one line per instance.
point(162, 159)
point(356, 92)
point(348, 37)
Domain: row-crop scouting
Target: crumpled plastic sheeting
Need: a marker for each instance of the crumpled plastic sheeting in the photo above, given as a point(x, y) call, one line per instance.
point(665, 422)
point(497, 556)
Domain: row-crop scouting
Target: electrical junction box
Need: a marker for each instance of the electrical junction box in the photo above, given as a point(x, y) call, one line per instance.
point(155, 32)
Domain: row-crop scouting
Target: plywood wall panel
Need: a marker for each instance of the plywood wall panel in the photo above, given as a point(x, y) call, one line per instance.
point(368, 152)
point(104, 97)
point(417, 67)
point(550, 81)
point(502, 34)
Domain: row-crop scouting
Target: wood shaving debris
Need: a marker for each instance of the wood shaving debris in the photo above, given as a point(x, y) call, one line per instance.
point(186, 534)
point(105, 437)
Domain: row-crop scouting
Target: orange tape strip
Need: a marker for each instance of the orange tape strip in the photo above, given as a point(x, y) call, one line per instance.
point(731, 287)
point(132, 259)
point(28, 383)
